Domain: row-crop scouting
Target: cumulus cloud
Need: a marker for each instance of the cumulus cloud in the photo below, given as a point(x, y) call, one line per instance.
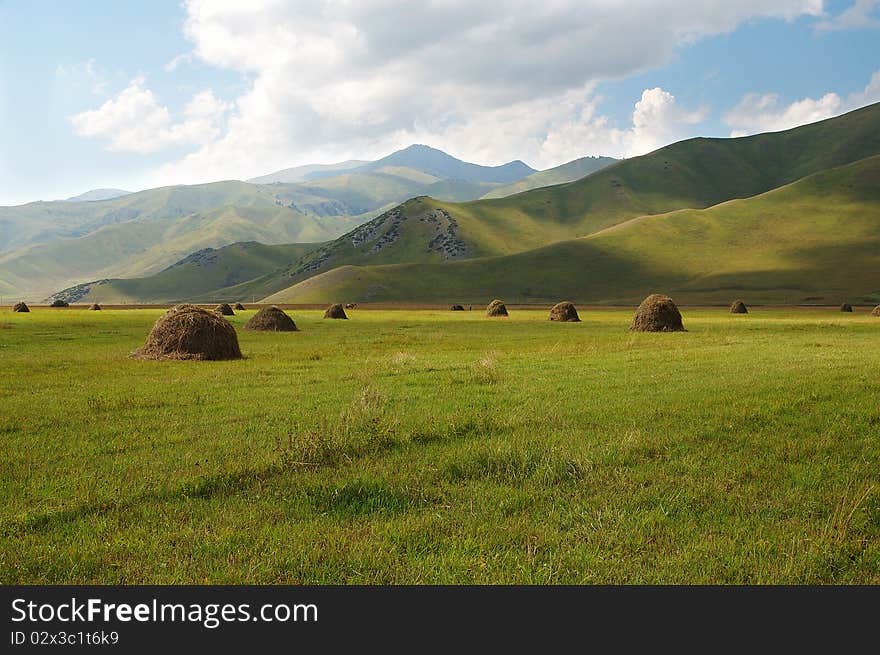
point(488, 81)
point(763, 113)
point(862, 14)
point(135, 121)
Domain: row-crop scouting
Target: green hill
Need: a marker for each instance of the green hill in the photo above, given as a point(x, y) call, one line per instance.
point(813, 241)
point(696, 173)
point(197, 277)
point(573, 170)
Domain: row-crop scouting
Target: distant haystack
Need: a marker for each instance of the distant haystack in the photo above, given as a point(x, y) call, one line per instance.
point(271, 319)
point(846, 307)
point(496, 308)
point(238, 307)
point(335, 311)
point(59, 303)
point(876, 311)
point(657, 313)
point(95, 307)
point(565, 312)
point(456, 308)
point(21, 307)
point(739, 307)
point(190, 332)
point(224, 309)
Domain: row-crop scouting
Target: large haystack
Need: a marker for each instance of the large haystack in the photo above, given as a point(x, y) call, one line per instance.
point(59, 303)
point(876, 311)
point(846, 307)
point(565, 312)
point(739, 307)
point(21, 307)
point(271, 319)
point(190, 332)
point(456, 308)
point(496, 308)
point(335, 311)
point(657, 313)
point(224, 309)
point(95, 307)
point(238, 307)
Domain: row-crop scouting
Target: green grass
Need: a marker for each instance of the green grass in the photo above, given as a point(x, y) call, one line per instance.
point(814, 241)
point(426, 446)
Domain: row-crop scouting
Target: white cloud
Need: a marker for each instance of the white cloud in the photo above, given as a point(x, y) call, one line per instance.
point(134, 121)
point(487, 81)
point(84, 74)
point(762, 113)
point(861, 15)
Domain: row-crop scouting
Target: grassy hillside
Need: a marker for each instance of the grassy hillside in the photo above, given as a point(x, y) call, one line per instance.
point(441, 165)
point(696, 173)
point(816, 240)
point(197, 277)
point(569, 172)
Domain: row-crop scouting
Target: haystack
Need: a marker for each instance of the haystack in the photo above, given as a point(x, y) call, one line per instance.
point(739, 307)
point(335, 311)
point(190, 332)
point(565, 312)
point(224, 309)
point(238, 307)
point(59, 303)
point(846, 307)
point(876, 311)
point(657, 313)
point(21, 307)
point(271, 319)
point(95, 307)
point(496, 308)
point(456, 308)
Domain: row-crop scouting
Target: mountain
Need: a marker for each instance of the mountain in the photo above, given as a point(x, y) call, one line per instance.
point(195, 277)
point(99, 194)
point(573, 170)
point(307, 172)
point(61, 244)
point(440, 165)
point(47, 246)
point(696, 173)
point(813, 241)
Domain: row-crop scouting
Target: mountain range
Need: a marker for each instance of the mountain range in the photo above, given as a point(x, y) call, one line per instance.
point(110, 233)
point(787, 217)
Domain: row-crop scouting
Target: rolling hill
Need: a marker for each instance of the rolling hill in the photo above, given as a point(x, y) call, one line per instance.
point(695, 174)
point(99, 194)
point(816, 240)
point(195, 277)
point(45, 246)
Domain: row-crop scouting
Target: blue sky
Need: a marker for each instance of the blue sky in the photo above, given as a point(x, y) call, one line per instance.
point(139, 94)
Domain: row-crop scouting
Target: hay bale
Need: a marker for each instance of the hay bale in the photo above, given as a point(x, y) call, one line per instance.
point(21, 307)
point(456, 308)
point(739, 307)
point(271, 319)
point(565, 312)
point(59, 303)
point(224, 310)
point(238, 307)
point(496, 308)
point(876, 311)
point(335, 311)
point(657, 313)
point(190, 332)
point(95, 307)
point(846, 307)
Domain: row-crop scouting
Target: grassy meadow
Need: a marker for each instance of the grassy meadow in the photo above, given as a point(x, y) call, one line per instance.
point(417, 446)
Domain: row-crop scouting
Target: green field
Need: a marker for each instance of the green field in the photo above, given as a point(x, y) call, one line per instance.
point(417, 446)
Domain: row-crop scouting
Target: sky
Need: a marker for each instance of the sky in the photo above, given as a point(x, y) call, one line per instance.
point(139, 94)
